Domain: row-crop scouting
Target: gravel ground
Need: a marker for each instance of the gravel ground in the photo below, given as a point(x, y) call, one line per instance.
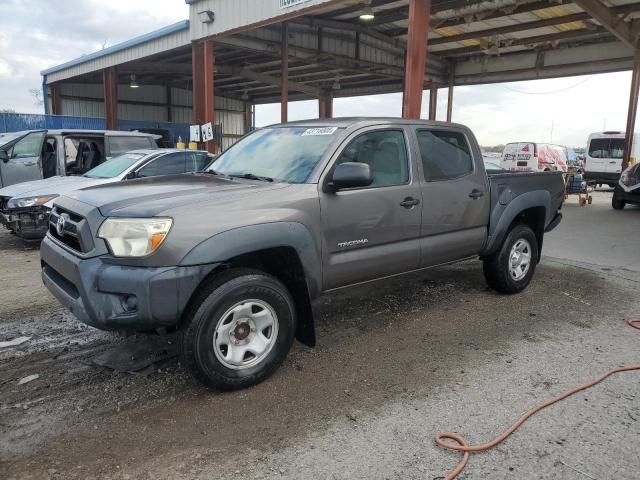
point(397, 361)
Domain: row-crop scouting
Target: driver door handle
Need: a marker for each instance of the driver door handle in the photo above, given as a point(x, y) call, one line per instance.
point(475, 193)
point(410, 202)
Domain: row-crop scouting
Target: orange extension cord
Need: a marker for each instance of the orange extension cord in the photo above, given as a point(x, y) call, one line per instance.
point(461, 446)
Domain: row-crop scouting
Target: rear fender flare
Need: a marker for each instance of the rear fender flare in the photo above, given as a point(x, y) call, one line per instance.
point(505, 212)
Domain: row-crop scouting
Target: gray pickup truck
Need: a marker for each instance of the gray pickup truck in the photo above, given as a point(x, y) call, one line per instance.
point(233, 257)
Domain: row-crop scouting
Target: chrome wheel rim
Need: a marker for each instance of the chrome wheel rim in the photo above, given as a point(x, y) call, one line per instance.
point(245, 334)
point(520, 259)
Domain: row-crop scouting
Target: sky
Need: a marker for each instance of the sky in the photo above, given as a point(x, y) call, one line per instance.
point(37, 34)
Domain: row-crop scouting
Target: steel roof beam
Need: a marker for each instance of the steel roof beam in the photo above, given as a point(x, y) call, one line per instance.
point(268, 79)
point(396, 43)
point(610, 20)
point(538, 39)
point(518, 27)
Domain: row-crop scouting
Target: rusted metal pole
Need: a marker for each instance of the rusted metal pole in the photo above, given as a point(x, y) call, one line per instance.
point(433, 102)
point(284, 96)
point(416, 59)
point(248, 117)
point(452, 76)
point(197, 67)
point(56, 100)
point(633, 108)
point(450, 103)
point(325, 104)
point(209, 62)
point(110, 81)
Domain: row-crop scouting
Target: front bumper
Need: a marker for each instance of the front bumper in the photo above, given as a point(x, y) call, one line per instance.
point(602, 177)
point(27, 223)
point(117, 297)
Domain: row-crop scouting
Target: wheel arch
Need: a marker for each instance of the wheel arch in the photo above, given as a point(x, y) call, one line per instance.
point(531, 208)
point(284, 250)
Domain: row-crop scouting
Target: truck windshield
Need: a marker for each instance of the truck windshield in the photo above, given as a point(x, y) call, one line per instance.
point(114, 167)
point(287, 154)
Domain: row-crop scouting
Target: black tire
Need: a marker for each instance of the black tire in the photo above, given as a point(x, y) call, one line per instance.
point(230, 288)
point(616, 202)
point(496, 267)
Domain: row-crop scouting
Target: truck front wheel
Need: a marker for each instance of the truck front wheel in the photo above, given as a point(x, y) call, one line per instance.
point(238, 330)
point(511, 268)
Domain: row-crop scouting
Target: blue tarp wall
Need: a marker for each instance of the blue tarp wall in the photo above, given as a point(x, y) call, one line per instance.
point(15, 122)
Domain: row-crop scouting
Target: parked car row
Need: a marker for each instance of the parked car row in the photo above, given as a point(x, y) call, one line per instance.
point(602, 160)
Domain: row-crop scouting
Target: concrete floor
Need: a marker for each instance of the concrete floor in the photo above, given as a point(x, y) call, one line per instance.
point(397, 361)
point(597, 234)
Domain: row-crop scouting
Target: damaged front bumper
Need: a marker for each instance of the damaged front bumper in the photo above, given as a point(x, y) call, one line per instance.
point(29, 223)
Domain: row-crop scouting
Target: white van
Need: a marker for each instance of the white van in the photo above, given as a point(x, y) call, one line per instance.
point(604, 155)
point(534, 157)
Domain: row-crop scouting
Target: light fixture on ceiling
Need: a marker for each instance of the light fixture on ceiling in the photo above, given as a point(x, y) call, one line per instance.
point(367, 13)
point(134, 82)
point(245, 95)
point(336, 84)
point(207, 16)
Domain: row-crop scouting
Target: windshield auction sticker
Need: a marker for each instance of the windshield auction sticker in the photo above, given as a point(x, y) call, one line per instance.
point(313, 132)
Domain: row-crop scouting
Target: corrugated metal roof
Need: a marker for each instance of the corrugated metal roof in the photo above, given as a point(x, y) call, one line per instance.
point(162, 32)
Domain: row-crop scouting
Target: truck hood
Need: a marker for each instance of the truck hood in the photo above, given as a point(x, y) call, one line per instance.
point(152, 196)
point(51, 186)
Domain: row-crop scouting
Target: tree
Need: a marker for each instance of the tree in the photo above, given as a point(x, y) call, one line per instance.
point(36, 93)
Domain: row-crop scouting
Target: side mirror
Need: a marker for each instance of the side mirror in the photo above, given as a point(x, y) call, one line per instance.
point(131, 175)
point(352, 175)
point(4, 156)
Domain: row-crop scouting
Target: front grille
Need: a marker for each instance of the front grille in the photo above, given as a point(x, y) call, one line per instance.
point(72, 232)
point(3, 203)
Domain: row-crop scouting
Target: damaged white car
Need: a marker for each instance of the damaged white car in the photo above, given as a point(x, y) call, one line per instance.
point(25, 207)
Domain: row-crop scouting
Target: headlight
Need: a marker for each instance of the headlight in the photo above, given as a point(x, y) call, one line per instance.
point(134, 237)
point(30, 201)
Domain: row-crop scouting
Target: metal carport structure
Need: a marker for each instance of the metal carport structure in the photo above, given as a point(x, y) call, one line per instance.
point(233, 54)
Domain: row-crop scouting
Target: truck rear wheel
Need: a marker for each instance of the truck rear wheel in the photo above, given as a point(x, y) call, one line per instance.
point(511, 268)
point(238, 330)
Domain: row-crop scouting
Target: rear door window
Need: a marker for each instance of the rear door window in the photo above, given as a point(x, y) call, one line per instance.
point(170, 164)
point(445, 154)
point(120, 145)
point(196, 161)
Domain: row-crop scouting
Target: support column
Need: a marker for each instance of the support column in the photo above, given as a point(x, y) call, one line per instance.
point(169, 103)
point(416, 59)
point(204, 103)
point(433, 102)
point(248, 117)
point(197, 68)
point(633, 108)
point(325, 104)
point(56, 100)
point(110, 81)
point(450, 103)
point(452, 79)
point(284, 95)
